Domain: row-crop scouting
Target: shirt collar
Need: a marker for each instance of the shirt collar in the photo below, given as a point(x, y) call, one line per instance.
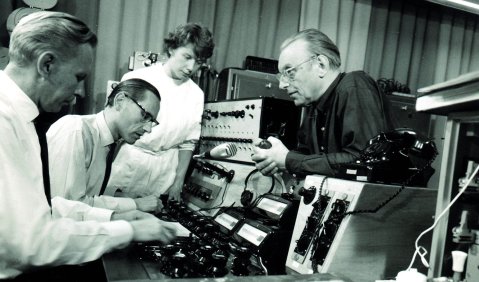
point(106, 138)
point(23, 105)
point(322, 102)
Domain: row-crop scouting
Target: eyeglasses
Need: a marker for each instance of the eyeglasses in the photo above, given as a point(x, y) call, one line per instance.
point(290, 73)
point(147, 117)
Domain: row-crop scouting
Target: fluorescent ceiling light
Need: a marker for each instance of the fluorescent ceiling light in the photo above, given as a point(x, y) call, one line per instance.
point(465, 3)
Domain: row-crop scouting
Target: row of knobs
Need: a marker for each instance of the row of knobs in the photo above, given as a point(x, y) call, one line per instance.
point(227, 139)
point(203, 255)
point(198, 224)
point(196, 258)
point(216, 114)
point(198, 191)
point(184, 259)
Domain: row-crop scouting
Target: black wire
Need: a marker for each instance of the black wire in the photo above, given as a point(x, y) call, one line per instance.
point(318, 228)
point(218, 207)
point(283, 188)
point(388, 86)
point(403, 186)
point(253, 172)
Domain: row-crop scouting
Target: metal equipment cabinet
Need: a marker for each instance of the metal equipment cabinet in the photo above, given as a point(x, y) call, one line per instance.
point(458, 100)
point(460, 145)
point(432, 126)
point(241, 84)
point(405, 115)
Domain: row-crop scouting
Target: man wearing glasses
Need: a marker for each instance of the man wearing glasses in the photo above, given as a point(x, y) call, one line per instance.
point(50, 54)
point(343, 110)
point(81, 148)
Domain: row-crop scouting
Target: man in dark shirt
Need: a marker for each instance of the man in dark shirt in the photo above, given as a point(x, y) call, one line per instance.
point(343, 110)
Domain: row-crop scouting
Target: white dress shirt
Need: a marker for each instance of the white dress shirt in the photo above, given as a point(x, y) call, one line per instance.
point(77, 151)
point(29, 234)
point(149, 166)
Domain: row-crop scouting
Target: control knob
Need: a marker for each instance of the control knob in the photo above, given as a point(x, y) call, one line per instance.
point(308, 194)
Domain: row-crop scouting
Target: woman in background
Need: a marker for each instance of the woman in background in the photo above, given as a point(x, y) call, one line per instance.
point(157, 163)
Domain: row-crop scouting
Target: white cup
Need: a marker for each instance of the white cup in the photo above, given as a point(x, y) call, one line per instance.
point(458, 260)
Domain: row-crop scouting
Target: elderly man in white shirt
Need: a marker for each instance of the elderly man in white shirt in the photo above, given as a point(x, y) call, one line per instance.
point(78, 146)
point(50, 54)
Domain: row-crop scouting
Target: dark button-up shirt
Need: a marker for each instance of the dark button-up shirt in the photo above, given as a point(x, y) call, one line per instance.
point(348, 114)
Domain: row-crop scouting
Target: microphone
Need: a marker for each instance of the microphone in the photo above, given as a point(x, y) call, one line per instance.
point(222, 151)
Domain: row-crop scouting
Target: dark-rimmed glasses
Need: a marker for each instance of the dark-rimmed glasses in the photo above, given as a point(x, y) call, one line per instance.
point(147, 117)
point(290, 73)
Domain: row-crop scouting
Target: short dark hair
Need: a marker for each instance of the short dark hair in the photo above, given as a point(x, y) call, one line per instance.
point(135, 88)
point(191, 33)
point(46, 30)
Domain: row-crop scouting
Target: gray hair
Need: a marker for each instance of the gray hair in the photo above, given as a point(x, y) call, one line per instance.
point(44, 31)
point(318, 44)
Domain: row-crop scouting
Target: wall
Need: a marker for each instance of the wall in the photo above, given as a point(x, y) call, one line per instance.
point(86, 10)
point(438, 43)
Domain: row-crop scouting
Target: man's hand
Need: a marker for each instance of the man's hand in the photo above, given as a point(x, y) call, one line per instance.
point(174, 192)
point(131, 215)
point(269, 161)
point(153, 229)
point(148, 203)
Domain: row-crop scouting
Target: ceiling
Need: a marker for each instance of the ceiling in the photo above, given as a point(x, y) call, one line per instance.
point(471, 6)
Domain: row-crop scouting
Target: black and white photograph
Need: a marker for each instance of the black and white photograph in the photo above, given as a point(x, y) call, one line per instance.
point(239, 140)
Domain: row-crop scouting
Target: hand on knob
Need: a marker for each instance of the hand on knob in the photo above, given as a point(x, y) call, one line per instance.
point(271, 160)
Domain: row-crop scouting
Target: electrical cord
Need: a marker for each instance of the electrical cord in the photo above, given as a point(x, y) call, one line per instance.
point(420, 248)
point(377, 208)
point(219, 207)
point(403, 186)
point(280, 181)
point(388, 86)
point(314, 262)
point(248, 198)
point(260, 260)
point(255, 171)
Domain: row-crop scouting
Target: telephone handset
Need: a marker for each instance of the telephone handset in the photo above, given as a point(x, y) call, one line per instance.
point(400, 156)
point(399, 146)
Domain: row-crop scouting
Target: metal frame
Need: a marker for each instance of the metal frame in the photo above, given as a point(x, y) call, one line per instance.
point(446, 182)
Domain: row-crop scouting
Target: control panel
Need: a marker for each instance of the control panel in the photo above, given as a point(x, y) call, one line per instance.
point(214, 184)
point(236, 241)
point(374, 243)
point(319, 222)
point(207, 184)
point(240, 122)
